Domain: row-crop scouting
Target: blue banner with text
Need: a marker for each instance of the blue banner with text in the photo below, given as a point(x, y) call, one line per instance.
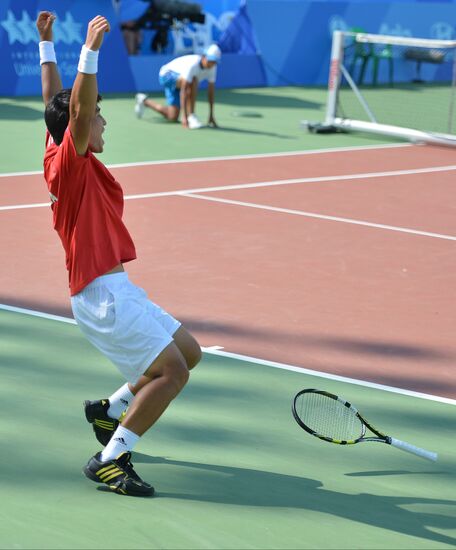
point(296, 49)
point(19, 45)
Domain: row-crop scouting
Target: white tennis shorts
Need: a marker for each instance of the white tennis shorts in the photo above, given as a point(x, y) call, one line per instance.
point(118, 319)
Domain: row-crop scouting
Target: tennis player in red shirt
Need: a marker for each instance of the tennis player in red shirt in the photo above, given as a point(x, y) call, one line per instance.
point(152, 350)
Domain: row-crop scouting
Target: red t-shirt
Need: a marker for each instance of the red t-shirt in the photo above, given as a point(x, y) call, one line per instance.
point(87, 206)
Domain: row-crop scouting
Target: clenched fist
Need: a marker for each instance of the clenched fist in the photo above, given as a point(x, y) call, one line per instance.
point(44, 23)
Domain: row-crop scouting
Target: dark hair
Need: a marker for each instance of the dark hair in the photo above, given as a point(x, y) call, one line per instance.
point(57, 114)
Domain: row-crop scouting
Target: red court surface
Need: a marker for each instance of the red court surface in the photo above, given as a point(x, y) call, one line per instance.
point(337, 295)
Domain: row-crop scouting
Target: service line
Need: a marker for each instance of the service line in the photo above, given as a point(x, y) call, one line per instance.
point(273, 183)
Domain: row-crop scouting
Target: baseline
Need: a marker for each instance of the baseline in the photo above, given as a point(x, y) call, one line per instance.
point(217, 350)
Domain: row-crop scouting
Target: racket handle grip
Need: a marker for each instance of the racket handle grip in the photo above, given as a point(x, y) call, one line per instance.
point(407, 447)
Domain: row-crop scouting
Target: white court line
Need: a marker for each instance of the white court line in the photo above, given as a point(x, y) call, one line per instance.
point(323, 217)
point(213, 350)
point(25, 206)
point(294, 181)
point(34, 313)
point(233, 157)
point(318, 179)
point(334, 377)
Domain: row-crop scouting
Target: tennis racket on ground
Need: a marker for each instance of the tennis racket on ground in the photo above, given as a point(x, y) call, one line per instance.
point(333, 419)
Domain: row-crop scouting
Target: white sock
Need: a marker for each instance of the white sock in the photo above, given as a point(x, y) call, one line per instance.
point(119, 401)
point(122, 440)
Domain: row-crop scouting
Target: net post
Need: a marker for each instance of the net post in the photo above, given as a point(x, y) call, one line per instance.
point(334, 80)
point(453, 96)
point(335, 75)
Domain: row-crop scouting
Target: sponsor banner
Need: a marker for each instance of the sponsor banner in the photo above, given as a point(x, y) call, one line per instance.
point(293, 36)
point(19, 45)
point(301, 55)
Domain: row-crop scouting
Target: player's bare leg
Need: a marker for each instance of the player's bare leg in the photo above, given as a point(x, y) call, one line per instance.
point(161, 383)
point(189, 348)
point(105, 414)
point(170, 112)
point(167, 375)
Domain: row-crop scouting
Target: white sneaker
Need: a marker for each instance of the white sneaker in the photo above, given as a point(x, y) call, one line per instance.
point(139, 106)
point(193, 122)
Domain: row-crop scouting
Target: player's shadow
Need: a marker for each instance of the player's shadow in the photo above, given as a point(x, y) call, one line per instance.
point(247, 487)
point(236, 130)
point(13, 111)
point(256, 100)
point(220, 129)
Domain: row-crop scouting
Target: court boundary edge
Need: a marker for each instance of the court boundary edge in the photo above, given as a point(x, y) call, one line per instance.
point(233, 157)
point(215, 350)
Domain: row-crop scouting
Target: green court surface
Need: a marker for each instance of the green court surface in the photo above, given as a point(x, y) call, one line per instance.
point(231, 467)
point(252, 121)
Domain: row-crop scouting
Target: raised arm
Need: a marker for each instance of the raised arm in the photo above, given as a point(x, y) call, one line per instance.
point(185, 95)
point(50, 77)
point(211, 100)
point(83, 102)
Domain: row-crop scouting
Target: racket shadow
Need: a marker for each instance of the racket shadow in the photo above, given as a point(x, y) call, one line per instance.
point(197, 481)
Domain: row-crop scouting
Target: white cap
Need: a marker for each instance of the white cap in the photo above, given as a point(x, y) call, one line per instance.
point(213, 53)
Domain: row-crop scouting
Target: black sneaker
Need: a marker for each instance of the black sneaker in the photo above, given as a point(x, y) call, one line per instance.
point(119, 475)
point(103, 425)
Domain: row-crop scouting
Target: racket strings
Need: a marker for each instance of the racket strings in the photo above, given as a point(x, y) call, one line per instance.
point(329, 417)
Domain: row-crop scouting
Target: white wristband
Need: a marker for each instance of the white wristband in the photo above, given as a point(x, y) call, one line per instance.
point(47, 52)
point(88, 61)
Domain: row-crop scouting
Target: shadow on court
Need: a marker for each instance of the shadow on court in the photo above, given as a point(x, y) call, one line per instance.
point(48, 369)
point(226, 129)
point(13, 111)
point(246, 487)
point(257, 101)
point(378, 473)
point(309, 346)
point(222, 129)
point(380, 348)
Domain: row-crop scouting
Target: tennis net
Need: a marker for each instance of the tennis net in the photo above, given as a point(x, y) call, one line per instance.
point(397, 86)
